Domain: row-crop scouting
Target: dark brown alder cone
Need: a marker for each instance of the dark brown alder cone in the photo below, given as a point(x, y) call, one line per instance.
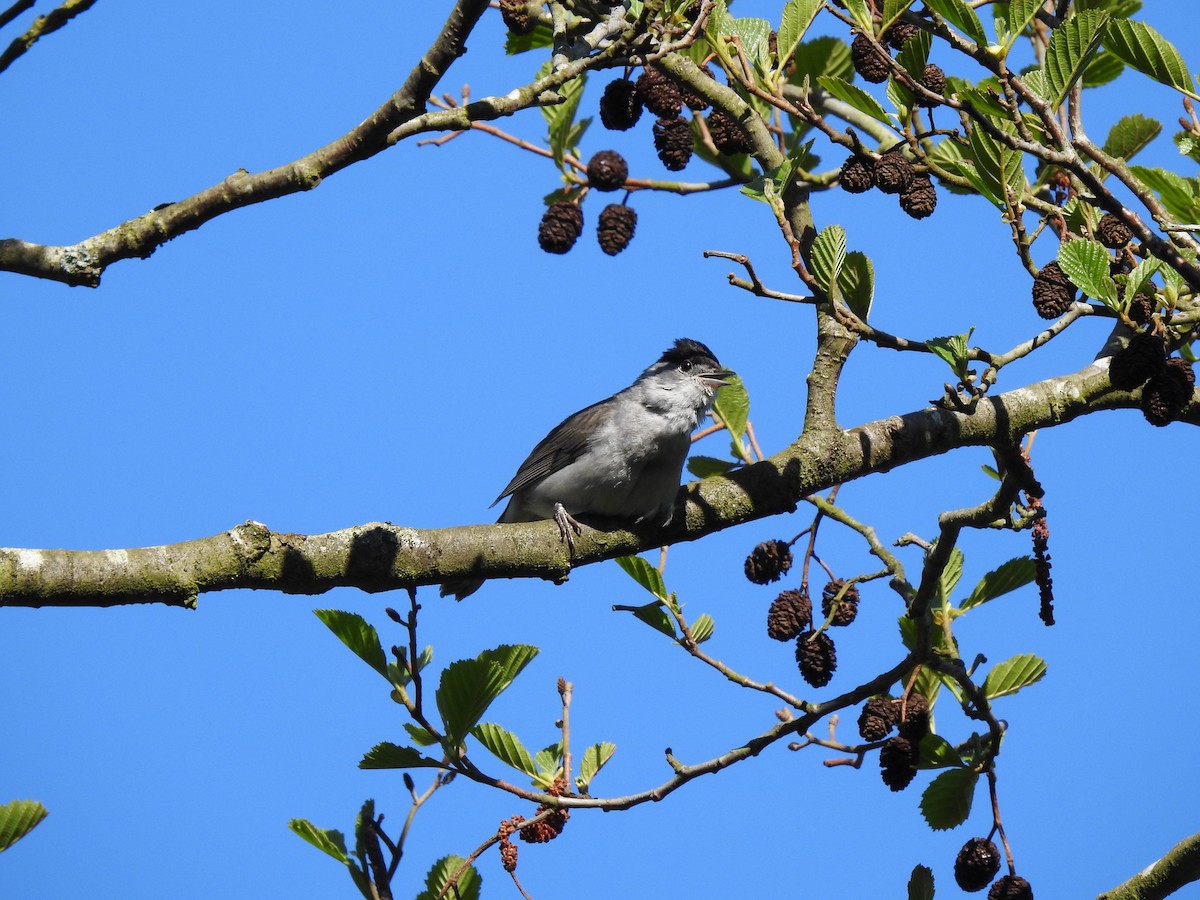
point(1053, 292)
point(916, 718)
point(515, 14)
point(607, 170)
point(768, 562)
point(977, 864)
point(561, 225)
point(1011, 887)
point(1167, 394)
point(858, 174)
point(1134, 364)
point(615, 228)
point(550, 827)
point(878, 717)
point(816, 657)
point(790, 613)
point(1142, 307)
point(726, 136)
point(620, 107)
point(867, 61)
point(897, 35)
point(673, 141)
point(920, 200)
point(1112, 232)
point(897, 763)
point(894, 174)
point(847, 609)
point(659, 94)
point(933, 79)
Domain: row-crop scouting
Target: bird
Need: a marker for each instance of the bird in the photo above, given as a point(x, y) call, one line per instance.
point(621, 458)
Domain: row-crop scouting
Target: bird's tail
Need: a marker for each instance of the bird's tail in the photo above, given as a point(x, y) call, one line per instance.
point(460, 589)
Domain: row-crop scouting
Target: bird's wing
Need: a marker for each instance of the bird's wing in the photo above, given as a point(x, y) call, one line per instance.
point(561, 447)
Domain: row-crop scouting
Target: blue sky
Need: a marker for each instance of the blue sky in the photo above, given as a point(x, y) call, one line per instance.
point(389, 347)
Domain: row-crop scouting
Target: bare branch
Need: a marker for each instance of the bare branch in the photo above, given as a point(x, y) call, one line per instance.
point(42, 25)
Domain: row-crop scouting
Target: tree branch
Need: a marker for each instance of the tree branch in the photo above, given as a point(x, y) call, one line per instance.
point(380, 556)
point(1163, 877)
point(42, 25)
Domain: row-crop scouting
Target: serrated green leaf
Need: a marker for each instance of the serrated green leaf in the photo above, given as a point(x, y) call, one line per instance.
point(1013, 674)
point(793, 23)
point(1130, 135)
point(1178, 194)
point(702, 628)
point(951, 574)
point(857, 283)
point(1086, 263)
point(657, 618)
point(732, 405)
point(549, 761)
point(908, 632)
point(467, 886)
point(1188, 145)
point(1103, 68)
point(855, 96)
point(1138, 279)
point(708, 466)
point(861, 12)
point(386, 755)
point(327, 841)
point(1020, 14)
point(356, 633)
point(953, 350)
point(560, 117)
point(17, 819)
point(754, 35)
point(541, 36)
point(997, 167)
point(957, 13)
point(1150, 53)
point(938, 753)
point(892, 10)
point(1121, 9)
point(505, 746)
point(468, 686)
point(644, 574)
point(1072, 45)
point(421, 736)
point(920, 883)
point(828, 255)
point(915, 53)
point(822, 56)
point(592, 761)
point(1009, 576)
point(946, 802)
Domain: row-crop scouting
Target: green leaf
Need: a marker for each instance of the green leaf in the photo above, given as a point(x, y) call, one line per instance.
point(468, 686)
point(467, 886)
point(755, 35)
point(732, 405)
point(1009, 576)
point(592, 761)
point(541, 36)
point(1137, 280)
point(856, 281)
point(1086, 262)
point(708, 466)
point(505, 746)
point(946, 802)
point(1020, 14)
point(793, 23)
point(549, 761)
point(1188, 145)
point(951, 574)
point(953, 350)
point(17, 819)
point(702, 628)
point(644, 574)
point(822, 56)
point(327, 841)
point(855, 96)
point(957, 13)
point(1104, 68)
point(421, 736)
point(1072, 45)
point(1013, 674)
point(560, 117)
point(1178, 193)
point(997, 167)
point(915, 53)
point(828, 255)
point(1130, 135)
point(938, 753)
point(892, 10)
point(1150, 53)
point(356, 633)
point(908, 632)
point(656, 617)
point(387, 755)
point(860, 12)
point(920, 883)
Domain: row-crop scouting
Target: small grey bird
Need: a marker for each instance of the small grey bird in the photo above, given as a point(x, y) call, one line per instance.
point(620, 458)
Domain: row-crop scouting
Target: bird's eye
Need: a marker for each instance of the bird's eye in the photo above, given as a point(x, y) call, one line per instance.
point(685, 366)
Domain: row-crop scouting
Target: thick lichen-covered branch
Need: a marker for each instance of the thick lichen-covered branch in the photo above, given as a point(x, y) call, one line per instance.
point(381, 556)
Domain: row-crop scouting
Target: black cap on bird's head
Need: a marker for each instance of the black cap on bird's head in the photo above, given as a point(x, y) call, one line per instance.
point(691, 357)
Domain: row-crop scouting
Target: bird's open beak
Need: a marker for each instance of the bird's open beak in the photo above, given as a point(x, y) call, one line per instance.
point(719, 379)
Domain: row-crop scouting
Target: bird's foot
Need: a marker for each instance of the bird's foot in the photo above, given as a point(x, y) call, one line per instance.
point(566, 524)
